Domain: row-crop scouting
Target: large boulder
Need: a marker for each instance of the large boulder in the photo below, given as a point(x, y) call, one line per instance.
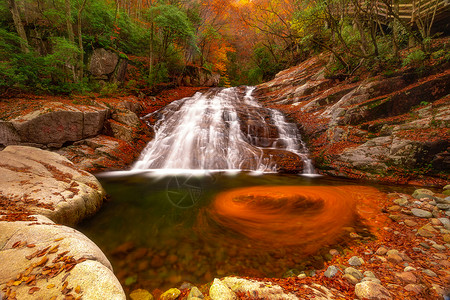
point(53, 125)
point(42, 260)
point(48, 184)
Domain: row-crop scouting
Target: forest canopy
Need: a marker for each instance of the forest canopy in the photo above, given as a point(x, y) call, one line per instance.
point(45, 46)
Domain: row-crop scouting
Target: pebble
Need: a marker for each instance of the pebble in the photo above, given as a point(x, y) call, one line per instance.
point(355, 273)
point(410, 223)
point(393, 256)
point(415, 288)
point(334, 252)
point(195, 293)
point(429, 272)
point(407, 277)
point(446, 238)
point(394, 208)
point(421, 213)
point(350, 279)
point(371, 279)
point(445, 222)
point(371, 290)
point(438, 247)
point(141, 294)
point(443, 206)
point(401, 201)
point(302, 275)
point(331, 271)
point(409, 269)
point(355, 261)
point(425, 245)
point(219, 291)
point(369, 274)
point(170, 294)
point(381, 251)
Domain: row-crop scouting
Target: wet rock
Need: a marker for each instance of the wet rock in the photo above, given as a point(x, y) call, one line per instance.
point(421, 213)
point(355, 261)
point(369, 274)
point(195, 293)
point(429, 272)
point(410, 223)
point(371, 290)
point(445, 222)
point(401, 201)
point(427, 231)
point(446, 238)
point(141, 294)
point(331, 271)
point(394, 256)
point(376, 280)
point(409, 269)
point(354, 272)
point(334, 252)
point(438, 247)
point(350, 279)
point(407, 277)
point(219, 291)
point(170, 294)
point(415, 288)
point(443, 206)
point(420, 192)
point(381, 251)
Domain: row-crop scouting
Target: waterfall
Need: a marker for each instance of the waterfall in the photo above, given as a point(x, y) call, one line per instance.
point(221, 129)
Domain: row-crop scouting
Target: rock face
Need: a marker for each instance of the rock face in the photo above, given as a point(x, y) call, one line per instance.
point(107, 65)
point(53, 125)
point(48, 184)
point(380, 127)
point(46, 260)
point(95, 136)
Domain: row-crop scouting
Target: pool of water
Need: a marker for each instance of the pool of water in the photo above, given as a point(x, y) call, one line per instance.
point(161, 230)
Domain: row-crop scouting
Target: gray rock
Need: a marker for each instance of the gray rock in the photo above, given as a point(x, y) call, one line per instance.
point(421, 213)
point(371, 290)
point(331, 271)
point(355, 261)
point(443, 206)
point(422, 192)
point(103, 62)
point(354, 272)
point(445, 222)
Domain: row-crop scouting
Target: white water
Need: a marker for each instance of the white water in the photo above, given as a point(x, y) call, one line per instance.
point(204, 132)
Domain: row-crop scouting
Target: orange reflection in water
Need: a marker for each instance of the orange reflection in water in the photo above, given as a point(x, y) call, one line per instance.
point(306, 216)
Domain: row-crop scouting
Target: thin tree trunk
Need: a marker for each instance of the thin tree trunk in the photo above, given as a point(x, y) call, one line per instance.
point(19, 26)
point(80, 42)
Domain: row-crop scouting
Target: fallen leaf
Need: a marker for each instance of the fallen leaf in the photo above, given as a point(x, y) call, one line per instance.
point(16, 244)
point(17, 282)
point(59, 239)
point(78, 289)
point(33, 289)
point(53, 249)
point(31, 245)
point(50, 286)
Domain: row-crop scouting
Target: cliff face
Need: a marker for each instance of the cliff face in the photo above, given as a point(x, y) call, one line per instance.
point(394, 129)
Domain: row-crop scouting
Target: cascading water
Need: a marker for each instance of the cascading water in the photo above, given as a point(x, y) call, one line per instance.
point(221, 129)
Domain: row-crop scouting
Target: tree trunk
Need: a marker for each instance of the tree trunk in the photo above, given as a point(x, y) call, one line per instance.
point(80, 42)
point(19, 26)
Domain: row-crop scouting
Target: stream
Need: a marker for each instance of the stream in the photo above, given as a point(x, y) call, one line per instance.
point(205, 200)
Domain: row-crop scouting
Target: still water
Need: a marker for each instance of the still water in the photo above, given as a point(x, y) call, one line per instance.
point(161, 230)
